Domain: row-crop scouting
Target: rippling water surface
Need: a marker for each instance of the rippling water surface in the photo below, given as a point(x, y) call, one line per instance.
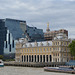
point(10, 70)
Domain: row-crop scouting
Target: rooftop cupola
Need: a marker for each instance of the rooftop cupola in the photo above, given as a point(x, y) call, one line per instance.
point(48, 27)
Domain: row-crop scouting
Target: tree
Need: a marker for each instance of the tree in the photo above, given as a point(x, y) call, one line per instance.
point(72, 48)
point(1, 56)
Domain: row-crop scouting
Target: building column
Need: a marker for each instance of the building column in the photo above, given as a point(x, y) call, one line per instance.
point(52, 58)
point(26, 58)
point(40, 58)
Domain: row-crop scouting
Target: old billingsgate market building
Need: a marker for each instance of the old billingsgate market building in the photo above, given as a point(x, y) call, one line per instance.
point(46, 51)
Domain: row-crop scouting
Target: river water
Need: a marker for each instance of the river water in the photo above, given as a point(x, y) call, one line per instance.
point(11, 70)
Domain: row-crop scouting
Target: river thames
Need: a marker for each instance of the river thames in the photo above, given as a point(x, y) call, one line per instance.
point(11, 70)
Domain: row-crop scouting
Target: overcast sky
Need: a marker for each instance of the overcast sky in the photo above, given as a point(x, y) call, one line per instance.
point(59, 13)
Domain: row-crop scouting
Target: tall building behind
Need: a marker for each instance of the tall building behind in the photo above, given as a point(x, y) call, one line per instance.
point(49, 35)
point(11, 30)
point(32, 33)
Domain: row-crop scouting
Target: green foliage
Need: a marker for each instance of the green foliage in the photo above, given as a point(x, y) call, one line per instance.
point(1, 56)
point(72, 48)
point(8, 59)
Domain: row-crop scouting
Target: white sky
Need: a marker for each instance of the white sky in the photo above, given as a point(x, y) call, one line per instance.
point(59, 13)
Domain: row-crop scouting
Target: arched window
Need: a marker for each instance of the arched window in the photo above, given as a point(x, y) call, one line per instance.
point(50, 58)
point(32, 58)
point(47, 58)
point(27, 58)
point(35, 58)
point(22, 58)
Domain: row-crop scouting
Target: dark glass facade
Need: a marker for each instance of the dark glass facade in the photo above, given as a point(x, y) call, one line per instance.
point(14, 27)
point(3, 31)
point(35, 34)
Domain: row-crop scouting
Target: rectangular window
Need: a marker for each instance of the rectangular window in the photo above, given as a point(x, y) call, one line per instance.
point(13, 43)
point(58, 49)
point(53, 48)
point(27, 50)
point(10, 48)
point(64, 54)
point(58, 43)
point(44, 49)
point(9, 38)
point(58, 54)
point(58, 59)
point(37, 50)
point(41, 50)
point(6, 44)
point(64, 49)
point(67, 43)
point(47, 49)
point(64, 43)
point(50, 49)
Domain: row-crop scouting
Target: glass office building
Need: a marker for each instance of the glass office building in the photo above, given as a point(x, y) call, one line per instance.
point(11, 30)
point(32, 33)
point(3, 32)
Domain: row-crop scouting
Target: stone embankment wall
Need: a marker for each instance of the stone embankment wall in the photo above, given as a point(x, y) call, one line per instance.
point(30, 64)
